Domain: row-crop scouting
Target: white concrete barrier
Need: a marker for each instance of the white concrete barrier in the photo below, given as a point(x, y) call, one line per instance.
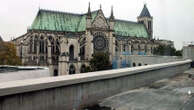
point(76, 91)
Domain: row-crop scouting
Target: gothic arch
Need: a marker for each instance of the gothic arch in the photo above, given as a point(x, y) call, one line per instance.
point(132, 49)
point(72, 69)
point(41, 45)
point(134, 65)
point(55, 72)
point(83, 68)
point(71, 52)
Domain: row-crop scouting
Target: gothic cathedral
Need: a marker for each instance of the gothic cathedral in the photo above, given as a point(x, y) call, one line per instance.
point(65, 42)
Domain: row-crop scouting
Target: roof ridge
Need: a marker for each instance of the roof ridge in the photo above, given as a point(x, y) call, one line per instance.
point(61, 12)
point(126, 21)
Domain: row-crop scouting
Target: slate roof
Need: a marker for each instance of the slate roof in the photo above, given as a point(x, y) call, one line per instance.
point(145, 12)
point(62, 21)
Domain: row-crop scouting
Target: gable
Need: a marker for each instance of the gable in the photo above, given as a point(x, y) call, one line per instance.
point(100, 21)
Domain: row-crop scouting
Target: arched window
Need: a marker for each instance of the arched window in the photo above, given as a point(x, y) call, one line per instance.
point(139, 64)
point(124, 48)
point(52, 48)
point(55, 72)
point(82, 52)
point(83, 69)
point(132, 49)
point(146, 50)
point(116, 46)
point(149, 25)
point(46, 46)
point(134, 65)
point(35, 44)
point(71, 69)
point(31, 42)
point(71, 52)
point(41, 46)
point(57, 48)
point(151, 50)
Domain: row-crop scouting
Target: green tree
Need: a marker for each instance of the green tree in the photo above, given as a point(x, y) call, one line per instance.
point(100, 61)
point(167, 51)
point(8, 54)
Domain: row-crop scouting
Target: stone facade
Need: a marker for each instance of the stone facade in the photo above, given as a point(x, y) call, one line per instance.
point(67, 50)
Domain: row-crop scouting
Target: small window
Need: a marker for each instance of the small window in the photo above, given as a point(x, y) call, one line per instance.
point(134, 65)
point(55, 72)
point(139, 64)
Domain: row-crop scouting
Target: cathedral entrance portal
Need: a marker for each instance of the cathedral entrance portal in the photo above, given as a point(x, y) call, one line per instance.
point(72, 69)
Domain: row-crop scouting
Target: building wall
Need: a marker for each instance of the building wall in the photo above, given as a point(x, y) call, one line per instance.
point(124, 61)
point(57, 45)
point(188, 52)
point(118, 46)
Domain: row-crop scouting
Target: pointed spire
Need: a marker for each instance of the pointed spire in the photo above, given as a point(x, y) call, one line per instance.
point(100, 6)
point(89, 14)
point(145, 12)
point(112, 15)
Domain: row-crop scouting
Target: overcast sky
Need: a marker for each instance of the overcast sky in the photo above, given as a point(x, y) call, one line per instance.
point(173, 19)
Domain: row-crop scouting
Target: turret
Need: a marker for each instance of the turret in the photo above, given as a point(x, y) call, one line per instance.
point(146, 19)
point(111, 19)
point(89, 17)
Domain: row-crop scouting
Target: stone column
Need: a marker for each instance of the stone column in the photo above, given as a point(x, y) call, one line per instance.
point(49, 53)
point(25, 52)
point(89, 45)
point(63, 58)
point(142, 48)
point(37, 52)
point(121, 47)
point(148, 49)
point(111, 45)
point(135, 49)
point(129, 49)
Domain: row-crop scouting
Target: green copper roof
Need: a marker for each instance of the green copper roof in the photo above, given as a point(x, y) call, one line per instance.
point(127, 28)
point(61, 21)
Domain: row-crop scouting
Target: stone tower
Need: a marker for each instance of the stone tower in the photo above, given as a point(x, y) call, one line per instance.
point(147, 20)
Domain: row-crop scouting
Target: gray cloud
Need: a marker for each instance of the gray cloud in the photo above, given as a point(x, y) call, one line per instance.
point(173, 19)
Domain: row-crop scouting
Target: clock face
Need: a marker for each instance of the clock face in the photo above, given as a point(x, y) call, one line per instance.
point(100, 43)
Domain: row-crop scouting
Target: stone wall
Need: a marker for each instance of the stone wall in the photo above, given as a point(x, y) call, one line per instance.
point(74, 92)
point(140, 60)
point(188, 52)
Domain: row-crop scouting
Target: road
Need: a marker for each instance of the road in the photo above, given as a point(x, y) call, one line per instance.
point(176, 93)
